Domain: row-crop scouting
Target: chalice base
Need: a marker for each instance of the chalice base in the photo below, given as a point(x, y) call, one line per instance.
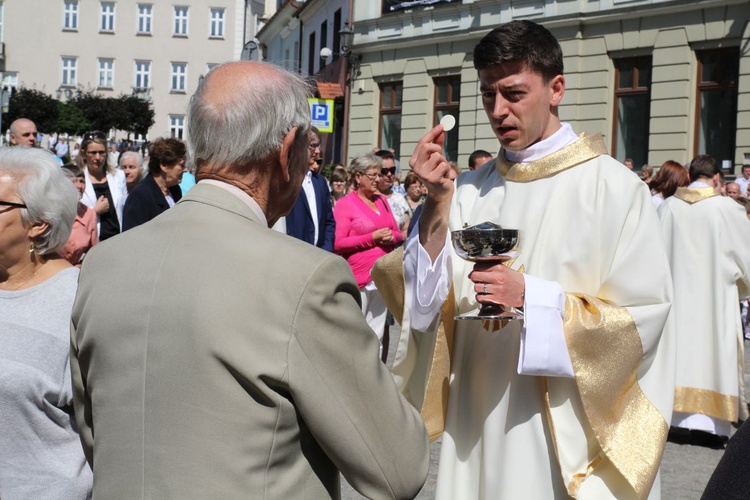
point(491, 311)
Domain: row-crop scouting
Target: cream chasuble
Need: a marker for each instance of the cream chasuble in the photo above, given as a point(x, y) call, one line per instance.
point(708, 243)
point(587, 223)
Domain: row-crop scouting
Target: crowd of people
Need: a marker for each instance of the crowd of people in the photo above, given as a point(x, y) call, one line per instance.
point(248, 362)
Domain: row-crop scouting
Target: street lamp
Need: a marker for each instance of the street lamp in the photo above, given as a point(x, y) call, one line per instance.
point(347, 37)
point(62, 90)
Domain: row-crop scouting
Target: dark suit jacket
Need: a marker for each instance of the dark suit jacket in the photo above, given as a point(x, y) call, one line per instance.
point(299, 222)
point(242, 366)
point(145, 202)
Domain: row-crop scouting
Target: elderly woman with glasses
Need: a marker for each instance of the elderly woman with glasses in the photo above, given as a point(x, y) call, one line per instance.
point(365, 231)
point(106, 188)
point(41, 454)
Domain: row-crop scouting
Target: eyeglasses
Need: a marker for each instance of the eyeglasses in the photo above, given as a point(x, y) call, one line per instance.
point(372, 177)
point(90, 136)
point(386, 171)
point(11, 204)
point(313, 146)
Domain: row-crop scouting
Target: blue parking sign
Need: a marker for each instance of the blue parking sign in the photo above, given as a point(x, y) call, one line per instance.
point(321, 112)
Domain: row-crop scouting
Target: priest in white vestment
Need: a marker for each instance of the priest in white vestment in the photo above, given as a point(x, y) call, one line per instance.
point(708, 243)
point(573, 400)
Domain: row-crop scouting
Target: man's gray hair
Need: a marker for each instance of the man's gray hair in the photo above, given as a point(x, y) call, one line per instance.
point(248, 127)
point(364, 162)
point(45, 190)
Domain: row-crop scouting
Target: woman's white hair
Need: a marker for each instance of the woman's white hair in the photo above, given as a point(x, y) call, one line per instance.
point(250, 126)
point(138, 157)
point(132, 154)
point(45, 190)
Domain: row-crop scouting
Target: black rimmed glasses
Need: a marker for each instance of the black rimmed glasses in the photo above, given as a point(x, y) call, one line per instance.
point(11, 204)
point(90, 136)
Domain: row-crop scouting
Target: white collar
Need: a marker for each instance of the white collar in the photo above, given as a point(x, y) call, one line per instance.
point(555, 142)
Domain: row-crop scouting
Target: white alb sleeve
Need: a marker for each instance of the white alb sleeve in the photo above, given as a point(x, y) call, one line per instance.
point(427, 282)
point(543, 348)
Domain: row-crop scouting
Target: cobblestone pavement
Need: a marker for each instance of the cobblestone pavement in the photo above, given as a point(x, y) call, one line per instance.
point(685, 469)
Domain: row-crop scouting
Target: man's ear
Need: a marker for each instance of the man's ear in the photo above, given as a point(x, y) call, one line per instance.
point(557, 87)
point(287, 147)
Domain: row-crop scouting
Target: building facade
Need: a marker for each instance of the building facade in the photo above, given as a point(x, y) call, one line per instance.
point(294, 37)
point(156, 50)
point(659, 79)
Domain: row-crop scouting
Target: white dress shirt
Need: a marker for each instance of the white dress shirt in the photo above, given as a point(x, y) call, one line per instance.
point(309, 189)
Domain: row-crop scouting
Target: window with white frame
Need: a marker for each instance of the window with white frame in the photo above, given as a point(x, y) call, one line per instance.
point(70, 15)
point(145, 16)
point(107, 17)
point(105, 78)
point(142, 74)
point(69, 72)
point(216, 27)
point(178, 77)
point(177, 126)
point(180, 20)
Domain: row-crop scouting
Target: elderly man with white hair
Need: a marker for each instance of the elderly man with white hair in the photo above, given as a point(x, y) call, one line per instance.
point(254, 374)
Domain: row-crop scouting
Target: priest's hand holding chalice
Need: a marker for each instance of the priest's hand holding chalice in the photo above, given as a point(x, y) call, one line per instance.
point(499, 289)
point(489, 245)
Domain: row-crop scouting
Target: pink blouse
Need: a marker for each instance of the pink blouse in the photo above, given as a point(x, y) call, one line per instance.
point(355, 223)
point(82, 237)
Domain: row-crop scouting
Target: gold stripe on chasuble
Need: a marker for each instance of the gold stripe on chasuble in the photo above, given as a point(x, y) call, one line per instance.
point(694, 195)
point(706, 402)
point(606, 351)
point(583, 150)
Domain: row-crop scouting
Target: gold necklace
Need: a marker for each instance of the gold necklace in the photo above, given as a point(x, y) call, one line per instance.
point(31, 278)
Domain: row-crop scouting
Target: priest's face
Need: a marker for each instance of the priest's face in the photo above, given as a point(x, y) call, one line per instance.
point(521, 106)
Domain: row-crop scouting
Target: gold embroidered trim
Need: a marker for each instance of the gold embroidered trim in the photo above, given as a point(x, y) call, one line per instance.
point(694, 195)
point(578, 479)
point(581, 151)
point(435, 405)
point(706, 402)
point(606, 351)
point(388, 274)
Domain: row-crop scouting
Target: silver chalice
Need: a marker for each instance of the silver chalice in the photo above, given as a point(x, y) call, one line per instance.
point(487, 242)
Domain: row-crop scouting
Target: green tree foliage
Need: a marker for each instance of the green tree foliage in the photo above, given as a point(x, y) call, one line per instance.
point(102, 113)
point(85, 111)
point(71, 120)
point(139, 114)
point(34, 105)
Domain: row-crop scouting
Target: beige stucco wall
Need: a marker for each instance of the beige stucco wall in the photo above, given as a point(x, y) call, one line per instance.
point(35, 42)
